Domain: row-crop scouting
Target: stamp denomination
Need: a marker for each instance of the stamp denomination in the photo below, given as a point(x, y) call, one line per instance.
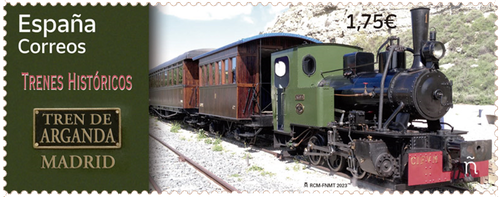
point(378, 21)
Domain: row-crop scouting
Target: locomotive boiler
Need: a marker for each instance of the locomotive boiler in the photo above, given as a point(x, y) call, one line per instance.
point(421, 92)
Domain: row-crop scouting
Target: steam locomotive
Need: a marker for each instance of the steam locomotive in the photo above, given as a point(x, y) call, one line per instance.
point(327, 102)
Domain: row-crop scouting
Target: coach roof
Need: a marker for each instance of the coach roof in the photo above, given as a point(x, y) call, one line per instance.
point(261, 36)
point(186, 55)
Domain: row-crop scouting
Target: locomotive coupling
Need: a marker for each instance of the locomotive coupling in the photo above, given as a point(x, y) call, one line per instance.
point(473, 151)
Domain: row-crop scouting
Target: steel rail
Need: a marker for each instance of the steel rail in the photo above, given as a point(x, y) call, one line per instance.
point(359, 183)
point(226, 186)
point(155, 186)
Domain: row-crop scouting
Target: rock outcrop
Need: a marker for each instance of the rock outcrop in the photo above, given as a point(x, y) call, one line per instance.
point(329, 23)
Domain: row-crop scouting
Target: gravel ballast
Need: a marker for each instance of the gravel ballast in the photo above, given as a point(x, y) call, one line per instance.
point(262, 171)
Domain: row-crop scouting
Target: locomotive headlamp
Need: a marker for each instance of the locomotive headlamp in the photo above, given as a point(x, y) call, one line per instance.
point(433, 50)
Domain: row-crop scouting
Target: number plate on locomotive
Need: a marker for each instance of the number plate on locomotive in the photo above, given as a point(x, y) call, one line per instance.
point(300, 97)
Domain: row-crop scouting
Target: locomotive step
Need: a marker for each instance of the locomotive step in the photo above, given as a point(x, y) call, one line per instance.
point(246, 134)
point(191, 121)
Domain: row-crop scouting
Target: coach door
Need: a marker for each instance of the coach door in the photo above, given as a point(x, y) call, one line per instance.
point(281, 80)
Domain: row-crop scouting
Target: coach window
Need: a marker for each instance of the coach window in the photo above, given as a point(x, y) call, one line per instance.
point(205, 77)
point(213, 74)
point(176, 75)
point(200, 73)
point(216, 74)
point(202, 76)
point(165, 78)
point(170, 76)
point(155, 80)
point(181, 75)
point(226, 70)
point(207, 74)
point(220, 72)
point(162, 78)
point(158, 79)
point(233, 61)
point(169, 81)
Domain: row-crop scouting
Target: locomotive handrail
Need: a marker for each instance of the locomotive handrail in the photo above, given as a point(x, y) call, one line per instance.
point(381, 97)
point(342, 69)
point(452, 128)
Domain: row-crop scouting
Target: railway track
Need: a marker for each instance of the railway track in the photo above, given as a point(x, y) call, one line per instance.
point(359, 183)
point(223, 184)
point(370, 183)
point(364, 183)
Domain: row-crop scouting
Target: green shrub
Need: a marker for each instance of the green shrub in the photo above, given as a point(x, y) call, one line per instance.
point(175, 128)
point(255, 168)
point(201, 135)
point(217, 147)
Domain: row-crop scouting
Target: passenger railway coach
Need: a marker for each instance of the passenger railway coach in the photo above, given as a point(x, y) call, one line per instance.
point(173, 85)
point(228, 87)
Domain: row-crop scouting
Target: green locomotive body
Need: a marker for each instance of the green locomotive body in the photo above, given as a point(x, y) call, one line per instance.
point(300, 101)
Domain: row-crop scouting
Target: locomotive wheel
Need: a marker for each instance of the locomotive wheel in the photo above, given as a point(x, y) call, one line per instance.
point(336, 163)
point(316, 160)
point(358, 173)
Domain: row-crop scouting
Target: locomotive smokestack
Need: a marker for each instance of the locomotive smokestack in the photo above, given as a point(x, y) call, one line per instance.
point(420, 29)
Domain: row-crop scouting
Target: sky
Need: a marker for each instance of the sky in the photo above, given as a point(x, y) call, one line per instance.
point(178, 29)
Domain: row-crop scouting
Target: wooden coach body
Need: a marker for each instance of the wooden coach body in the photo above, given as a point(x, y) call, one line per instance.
point(174, 84)
point(235, 79)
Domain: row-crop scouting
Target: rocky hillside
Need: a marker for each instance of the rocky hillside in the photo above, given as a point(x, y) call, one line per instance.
point(328, 23)
point(467, 31)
